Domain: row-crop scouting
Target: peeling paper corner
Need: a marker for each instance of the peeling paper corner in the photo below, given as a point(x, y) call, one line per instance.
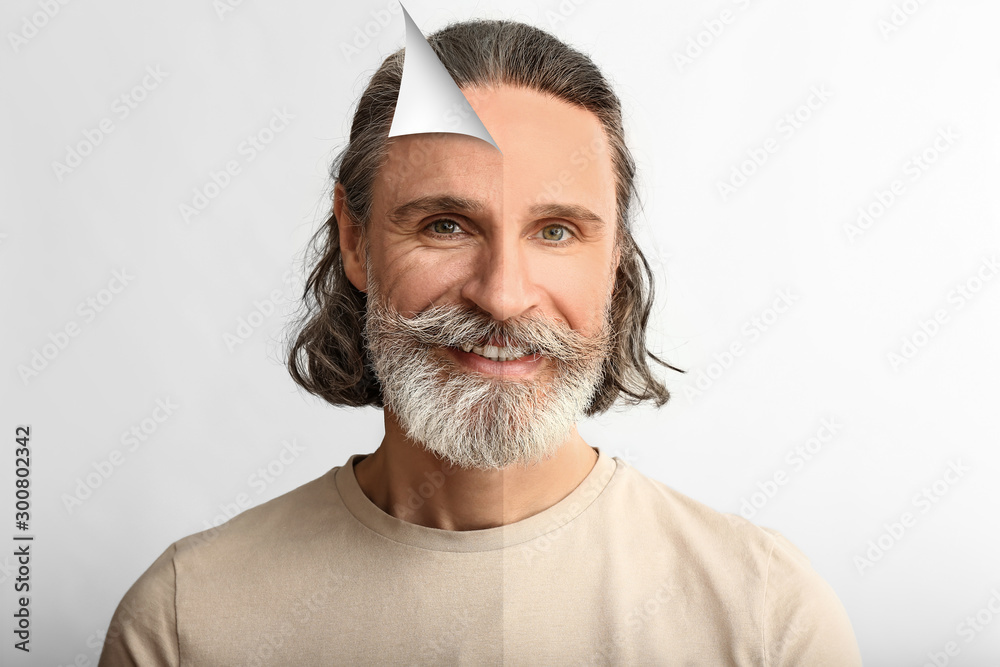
point(429, 99)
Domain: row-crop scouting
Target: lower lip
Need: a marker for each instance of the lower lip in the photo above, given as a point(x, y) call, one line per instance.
point(515, 367)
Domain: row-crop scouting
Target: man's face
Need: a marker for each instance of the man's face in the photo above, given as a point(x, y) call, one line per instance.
point(513, 253)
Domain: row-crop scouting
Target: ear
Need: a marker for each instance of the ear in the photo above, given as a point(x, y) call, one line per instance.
point(352, 248)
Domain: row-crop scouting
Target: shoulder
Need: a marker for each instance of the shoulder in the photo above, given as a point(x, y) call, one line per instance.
point(702, 530)
point(803, 620)
point(798, 615)
point(300, 512)
point(144, 629)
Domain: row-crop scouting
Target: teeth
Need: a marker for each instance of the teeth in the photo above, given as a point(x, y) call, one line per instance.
point(495, 353)
point(467, 347)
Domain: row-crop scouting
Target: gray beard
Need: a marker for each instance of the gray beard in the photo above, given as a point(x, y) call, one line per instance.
point(473, 420)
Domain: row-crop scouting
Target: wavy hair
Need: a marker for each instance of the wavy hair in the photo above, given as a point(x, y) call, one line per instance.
point(328, 356)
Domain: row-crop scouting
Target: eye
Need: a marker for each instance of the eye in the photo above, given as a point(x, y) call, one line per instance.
point(555, 233)
point(445, 227)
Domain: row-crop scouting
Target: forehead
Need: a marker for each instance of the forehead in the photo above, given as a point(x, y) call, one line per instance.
point(553, 152)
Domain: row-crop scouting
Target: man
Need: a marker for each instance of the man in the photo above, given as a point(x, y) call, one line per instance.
point(486, 300)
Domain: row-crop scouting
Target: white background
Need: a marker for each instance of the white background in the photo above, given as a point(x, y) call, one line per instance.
point(720, 261)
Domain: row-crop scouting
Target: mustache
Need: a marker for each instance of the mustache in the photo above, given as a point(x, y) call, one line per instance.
point(455, 326)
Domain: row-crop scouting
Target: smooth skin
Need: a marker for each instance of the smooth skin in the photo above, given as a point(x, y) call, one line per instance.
point(527, 232)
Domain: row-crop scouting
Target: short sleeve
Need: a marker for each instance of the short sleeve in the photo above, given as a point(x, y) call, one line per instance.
point(804, 622)
point(143, 630)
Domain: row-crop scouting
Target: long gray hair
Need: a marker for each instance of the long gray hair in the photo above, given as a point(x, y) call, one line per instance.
point(328, 356)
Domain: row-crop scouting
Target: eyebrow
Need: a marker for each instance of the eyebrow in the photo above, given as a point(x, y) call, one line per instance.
point(435, 204)
point(430, 204)
point(569, 211)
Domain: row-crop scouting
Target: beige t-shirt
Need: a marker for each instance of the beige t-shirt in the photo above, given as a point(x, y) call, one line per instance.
point(623, 571)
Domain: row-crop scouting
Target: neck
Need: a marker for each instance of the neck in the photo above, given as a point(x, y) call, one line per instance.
point(411, 483)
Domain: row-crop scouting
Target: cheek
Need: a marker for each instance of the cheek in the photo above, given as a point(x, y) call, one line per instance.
point(418, 277)
point(579, 289)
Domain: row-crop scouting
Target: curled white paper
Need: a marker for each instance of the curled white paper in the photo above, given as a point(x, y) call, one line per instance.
point(429, 99)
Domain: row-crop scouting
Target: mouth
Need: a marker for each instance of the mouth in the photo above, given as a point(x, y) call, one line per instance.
point(497, 357)
point(496, 350)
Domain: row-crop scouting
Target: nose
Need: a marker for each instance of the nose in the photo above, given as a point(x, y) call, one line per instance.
point(500, 282)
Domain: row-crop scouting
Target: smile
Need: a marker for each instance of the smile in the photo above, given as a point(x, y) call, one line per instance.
point(496, 360)
point(496, 353)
